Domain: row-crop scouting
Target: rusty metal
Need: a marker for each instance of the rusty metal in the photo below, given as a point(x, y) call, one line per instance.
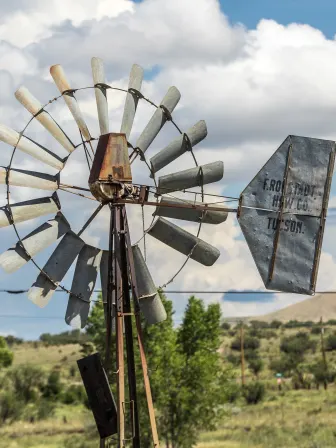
point(280, 213)
point(127, 314)
point(119, 331)
point(183, 204)
point(323, 218)
point(297, 234)
point(110, 167)
point(143, 359)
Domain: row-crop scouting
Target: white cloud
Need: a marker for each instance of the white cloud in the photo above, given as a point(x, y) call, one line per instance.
point(253, 88)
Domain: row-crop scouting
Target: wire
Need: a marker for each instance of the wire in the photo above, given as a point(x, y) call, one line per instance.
point(22, 291)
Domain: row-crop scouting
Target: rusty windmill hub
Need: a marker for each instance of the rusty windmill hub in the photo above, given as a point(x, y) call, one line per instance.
point(110, 176)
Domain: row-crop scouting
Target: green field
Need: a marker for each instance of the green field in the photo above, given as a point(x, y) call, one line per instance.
point(290, 418)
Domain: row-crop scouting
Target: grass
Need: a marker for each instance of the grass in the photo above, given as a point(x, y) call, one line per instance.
point(300, 419)
point(46, 356)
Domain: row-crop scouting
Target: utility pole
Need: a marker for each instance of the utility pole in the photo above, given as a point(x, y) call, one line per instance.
point(242, 359)
point(323, 354)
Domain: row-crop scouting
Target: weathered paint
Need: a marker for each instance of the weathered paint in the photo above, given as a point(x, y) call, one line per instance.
point(83, 284)
point(36, 241)
point(158, 119)
point(24, 211)
point(150, 303)
point(282, 213)
point(98, 74)
point(131, 102)
point(184, 242)
point(11, 137)
point(31, 179)
point(193, 177)
point(56, 267)
point(179, 146)
point(58, 74)
point(33, 105)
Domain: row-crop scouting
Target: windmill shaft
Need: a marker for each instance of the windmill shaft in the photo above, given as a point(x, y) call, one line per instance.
point(133, 403)
point(189, 205)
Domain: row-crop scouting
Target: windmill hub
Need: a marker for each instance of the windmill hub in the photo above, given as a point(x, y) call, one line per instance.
point(110, 177)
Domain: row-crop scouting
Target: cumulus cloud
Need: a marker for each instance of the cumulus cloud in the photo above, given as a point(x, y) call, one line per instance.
point(253, 88)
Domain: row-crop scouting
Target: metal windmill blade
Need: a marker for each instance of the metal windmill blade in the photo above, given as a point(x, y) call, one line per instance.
point(63, 86)
point(82, 287)
point(13, 138)
point(98, 74)
point(36, 109)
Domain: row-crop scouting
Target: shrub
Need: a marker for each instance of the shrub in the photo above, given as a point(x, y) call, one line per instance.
point(249, 343)
point(275, 324)
point(74, 394)
point(233, 359)
point(72, 371)
point(233, 393)
point(297, 344)
point(27, 381)
point(316, 329)
point(254, 392)
point(53, 387)
point(256, 365)
point(225, 326)
point(10, 407)
point(331, 342)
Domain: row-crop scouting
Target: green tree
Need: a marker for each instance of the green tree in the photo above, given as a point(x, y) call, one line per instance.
point(256, 365)
point(188, 381)
point(6, 356)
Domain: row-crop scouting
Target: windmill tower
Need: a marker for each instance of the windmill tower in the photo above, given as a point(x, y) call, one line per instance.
point(281, 212)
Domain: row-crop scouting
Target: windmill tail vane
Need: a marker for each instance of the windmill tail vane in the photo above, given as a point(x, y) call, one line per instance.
point(281, 213)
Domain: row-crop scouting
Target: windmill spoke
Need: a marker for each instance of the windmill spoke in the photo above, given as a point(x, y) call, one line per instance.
point(78, 194)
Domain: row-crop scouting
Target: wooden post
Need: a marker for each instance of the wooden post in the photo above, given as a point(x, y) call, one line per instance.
point(323, 354)
point(242, 354)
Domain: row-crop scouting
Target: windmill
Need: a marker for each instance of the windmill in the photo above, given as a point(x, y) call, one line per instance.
point(281, 212)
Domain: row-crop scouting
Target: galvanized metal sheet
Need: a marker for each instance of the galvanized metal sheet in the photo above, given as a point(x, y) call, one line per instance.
point(36, 241)
point(184, 242)
point(282, 213)
point(58, 74)
point(31, 179)
point(131, 102)
point(24, 211)
point(82, 287)
point(33, 105)
point(99, 394)
point(179, 146)
point(150, 303)
point(194, 215)
point(98, 74)
point(56, 267)
point(158, 119)
point(12, 138)
point(193, 177)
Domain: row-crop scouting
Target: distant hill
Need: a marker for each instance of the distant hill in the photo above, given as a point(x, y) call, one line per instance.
point(309, 309)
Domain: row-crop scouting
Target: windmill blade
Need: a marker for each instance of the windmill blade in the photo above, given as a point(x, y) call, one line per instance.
point(56, 267)
point(189, 214)
point(179, 146)
point(184, 242)
point(82, 286)
point(24, 211)
point(12, 138)
point(131, 102)
point(98, 74)
point(58, 74)
point(33, 106)
point(158, 119)
point(193, 177)
point(149, 300)
point(36, 241)
point(103, 280)
point(31, 179)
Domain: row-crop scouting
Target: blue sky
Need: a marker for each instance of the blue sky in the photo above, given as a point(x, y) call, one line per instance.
point(167, 59)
